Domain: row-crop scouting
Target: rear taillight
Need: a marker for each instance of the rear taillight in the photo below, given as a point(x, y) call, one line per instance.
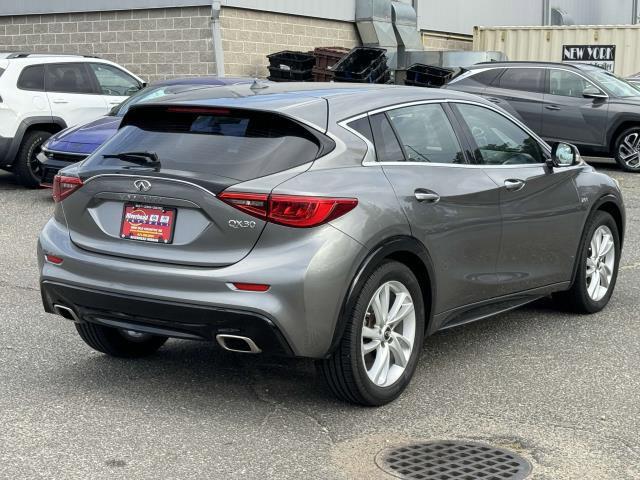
point(64, 186)
point(290, 210)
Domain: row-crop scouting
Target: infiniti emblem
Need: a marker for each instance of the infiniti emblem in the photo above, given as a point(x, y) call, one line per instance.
point(142, 185)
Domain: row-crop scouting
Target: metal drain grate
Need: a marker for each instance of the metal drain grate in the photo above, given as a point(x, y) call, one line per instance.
point(453, 461)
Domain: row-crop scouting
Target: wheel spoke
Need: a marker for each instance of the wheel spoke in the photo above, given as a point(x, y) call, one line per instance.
point(591, 267)
point(370, 333)
point(380, 368)
point(594, 286)
point(400, 355)
point(605, 246)
point(370, 347)
point(395, 308)
point(407, 308)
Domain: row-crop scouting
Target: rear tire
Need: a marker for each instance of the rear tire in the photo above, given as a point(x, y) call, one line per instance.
point(27, 167)
point(351, 372)
point(626, 150)
point(118, 343)
point(585, 296)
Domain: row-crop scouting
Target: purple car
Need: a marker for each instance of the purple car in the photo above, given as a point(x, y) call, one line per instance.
point(78, 142)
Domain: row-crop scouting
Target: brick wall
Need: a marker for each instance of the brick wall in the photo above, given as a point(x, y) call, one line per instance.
point(169, 42)
point(444, 41)
point(248, 36)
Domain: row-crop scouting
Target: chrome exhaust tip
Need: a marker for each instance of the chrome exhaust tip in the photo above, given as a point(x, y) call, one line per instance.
point(237, 344)
point(66, 312)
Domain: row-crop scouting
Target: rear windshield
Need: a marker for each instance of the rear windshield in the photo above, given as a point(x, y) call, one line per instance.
point(237, 144)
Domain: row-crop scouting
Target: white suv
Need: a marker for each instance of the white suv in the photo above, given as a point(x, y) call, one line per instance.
point(43, 94)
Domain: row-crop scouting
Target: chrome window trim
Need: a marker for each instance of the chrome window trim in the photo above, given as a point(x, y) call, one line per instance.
point(119, 175)
point(367, 162)
point(544, 67)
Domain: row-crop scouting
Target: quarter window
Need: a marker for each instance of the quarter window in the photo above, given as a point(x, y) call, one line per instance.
point(482, 79)
point(114, 81)
point(387, 146)
point(526, 79)
point(567, 84)
point(426, 134)
point(32, 78)
point(363, 127)
point(68, 78)
point(498, 140)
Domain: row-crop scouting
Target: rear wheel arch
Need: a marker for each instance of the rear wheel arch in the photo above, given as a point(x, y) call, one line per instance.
point(404, 249)
point(48, 124)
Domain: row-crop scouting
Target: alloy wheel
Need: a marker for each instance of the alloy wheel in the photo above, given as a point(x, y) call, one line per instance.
point(34, 164)
point(600, 263)
point(629, 150)
point(388, 333)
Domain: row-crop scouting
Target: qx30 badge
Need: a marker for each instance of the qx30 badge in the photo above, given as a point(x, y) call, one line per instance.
point(142, 185)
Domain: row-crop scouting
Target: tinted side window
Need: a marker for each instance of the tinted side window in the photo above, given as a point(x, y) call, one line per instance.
point(387, 147)
point(426, 134)
point(363, 127)
point(68, 78)
point(499, 141)
point(567, 84)
point(482, 79)
point(1, 71)
point(526, 79)
point(114, 81)
point(32, 78)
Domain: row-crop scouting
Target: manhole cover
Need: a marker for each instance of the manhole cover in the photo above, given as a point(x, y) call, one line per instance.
point(453, 461)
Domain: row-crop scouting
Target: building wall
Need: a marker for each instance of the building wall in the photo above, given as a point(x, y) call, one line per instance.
point(169, 42)
point(249, 35)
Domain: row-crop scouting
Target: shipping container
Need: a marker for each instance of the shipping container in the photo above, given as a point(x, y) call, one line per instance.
point(614, 47)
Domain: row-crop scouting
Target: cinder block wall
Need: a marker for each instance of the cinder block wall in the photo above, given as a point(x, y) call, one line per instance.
point(170, 42)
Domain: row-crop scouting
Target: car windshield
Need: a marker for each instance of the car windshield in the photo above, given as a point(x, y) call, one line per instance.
point(615, 85)
point(152, 93)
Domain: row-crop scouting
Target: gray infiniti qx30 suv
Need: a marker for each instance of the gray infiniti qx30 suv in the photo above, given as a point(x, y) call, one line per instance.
point(341, 223)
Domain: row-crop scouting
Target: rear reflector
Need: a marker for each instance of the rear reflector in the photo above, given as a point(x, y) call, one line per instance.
point(290, 210)
point(64, 186)
point(251, 287)
point(53, 259)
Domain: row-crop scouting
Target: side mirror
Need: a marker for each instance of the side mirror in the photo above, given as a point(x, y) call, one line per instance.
point(593, 92)
point(564, 155)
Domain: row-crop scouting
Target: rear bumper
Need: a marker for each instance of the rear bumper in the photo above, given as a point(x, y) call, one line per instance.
point(192, 322)
point(309, 276)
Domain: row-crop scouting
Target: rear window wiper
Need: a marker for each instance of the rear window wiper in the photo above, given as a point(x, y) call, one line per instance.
point(145, 159)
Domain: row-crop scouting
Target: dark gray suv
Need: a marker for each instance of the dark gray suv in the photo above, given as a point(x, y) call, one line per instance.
point(336, 222)
point(581, 104)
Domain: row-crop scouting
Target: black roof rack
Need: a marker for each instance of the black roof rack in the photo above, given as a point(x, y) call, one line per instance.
point(28, 54)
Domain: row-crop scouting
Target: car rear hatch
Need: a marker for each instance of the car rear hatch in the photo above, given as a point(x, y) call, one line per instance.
point(151, 192)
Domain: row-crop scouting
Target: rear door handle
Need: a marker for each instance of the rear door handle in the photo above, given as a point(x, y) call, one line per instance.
point(426, 196)
point(552, 107)
point(493, 99)
point(60, 101)
point(513, 185)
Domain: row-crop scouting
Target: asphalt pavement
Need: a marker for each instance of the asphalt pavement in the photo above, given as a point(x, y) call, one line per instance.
point(560, 389)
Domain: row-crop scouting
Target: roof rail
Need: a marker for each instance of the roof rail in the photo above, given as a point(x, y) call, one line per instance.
point(29, 54)
point(531, 62)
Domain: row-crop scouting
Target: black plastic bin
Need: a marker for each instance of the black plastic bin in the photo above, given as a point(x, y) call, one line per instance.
point(290, 60)
point(284, 75)
point(421, 75)
point(362, 64)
